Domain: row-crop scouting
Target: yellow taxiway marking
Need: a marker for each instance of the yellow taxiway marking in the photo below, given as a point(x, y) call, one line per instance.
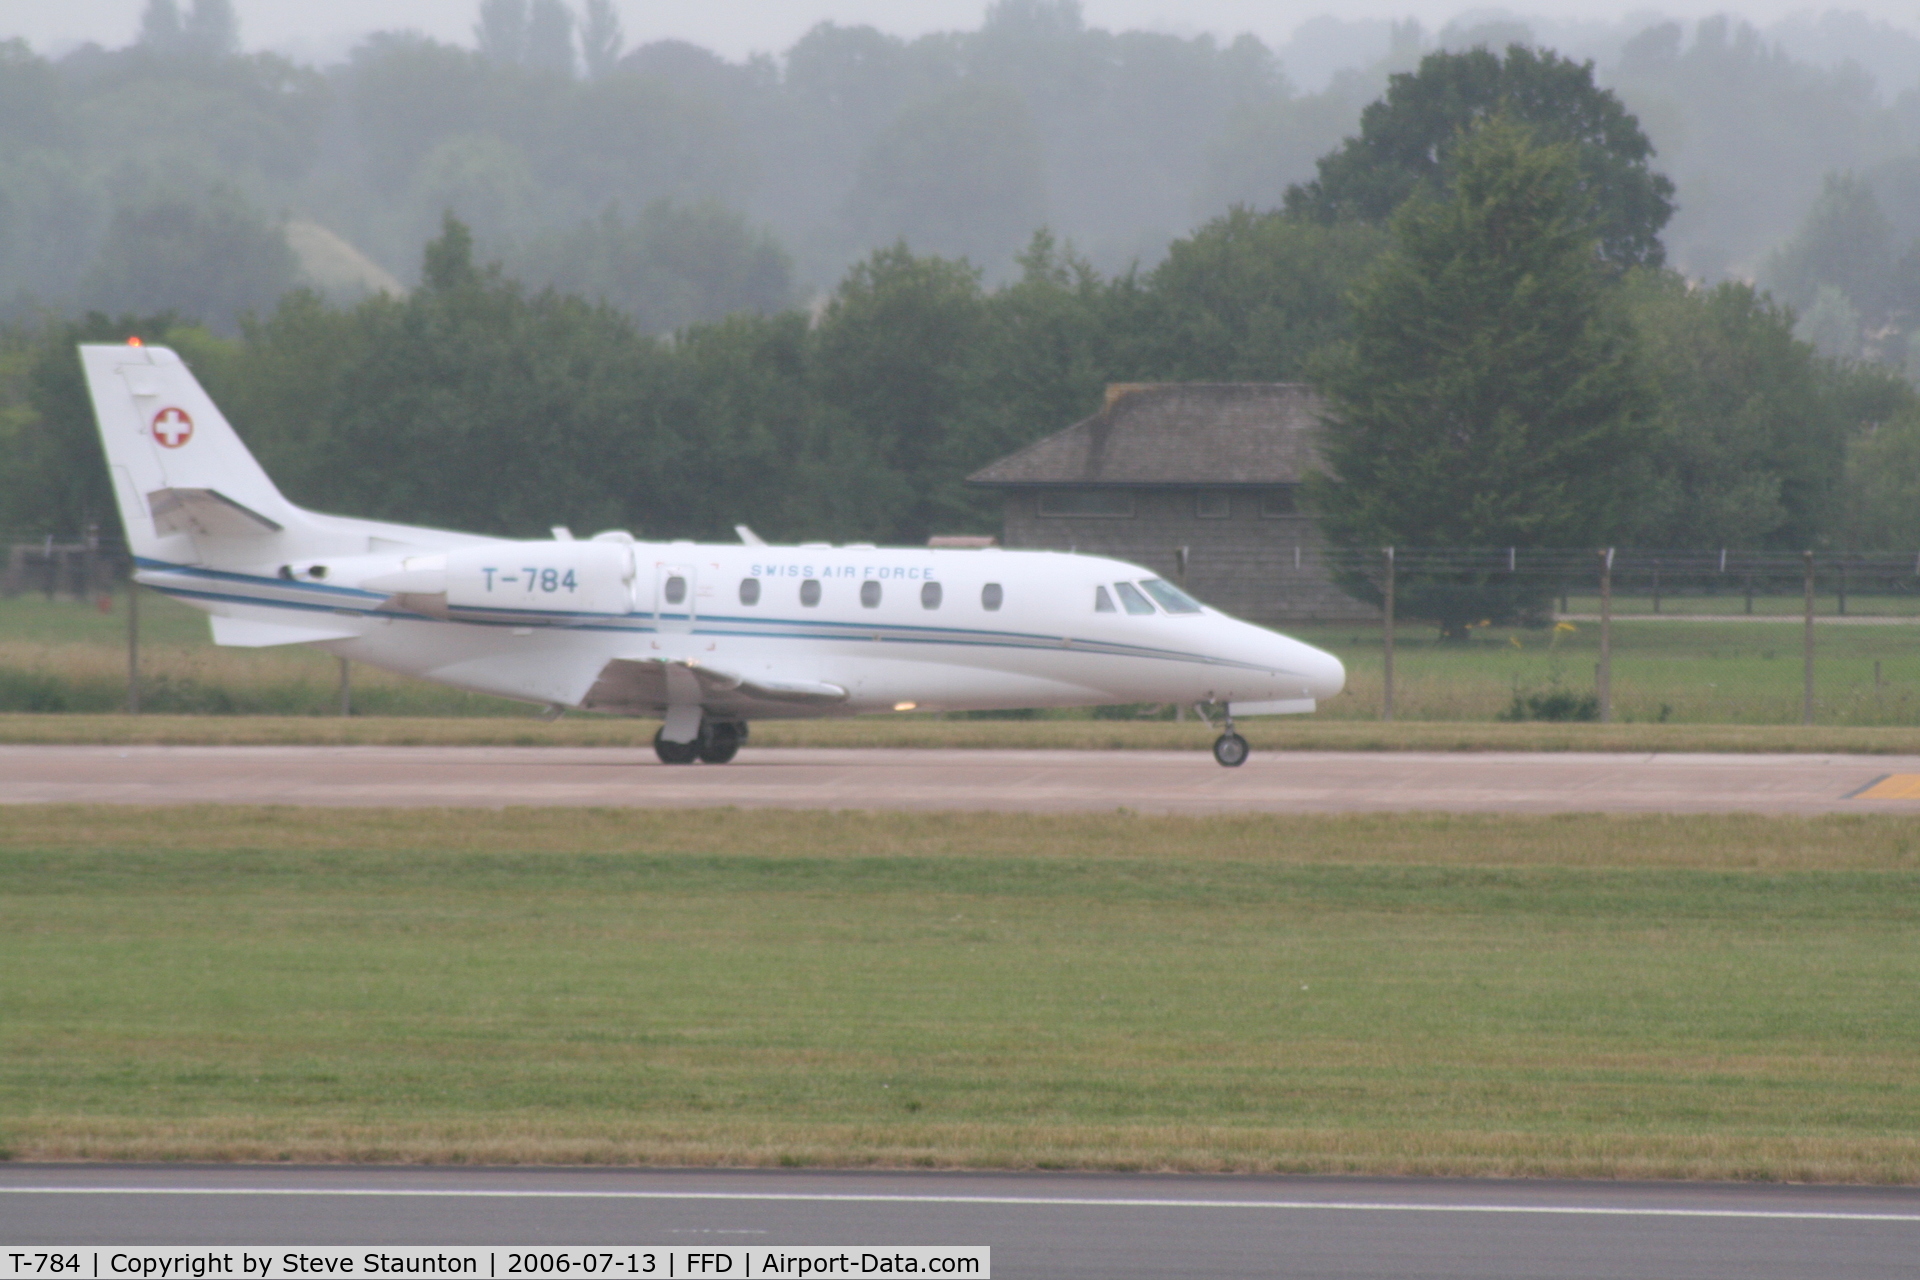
point(1895, 786)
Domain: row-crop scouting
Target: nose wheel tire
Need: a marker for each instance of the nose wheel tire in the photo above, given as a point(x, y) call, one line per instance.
point(674, 752)
point(1231, 750)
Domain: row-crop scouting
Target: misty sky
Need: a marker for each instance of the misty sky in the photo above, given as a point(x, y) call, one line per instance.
point(322, 32)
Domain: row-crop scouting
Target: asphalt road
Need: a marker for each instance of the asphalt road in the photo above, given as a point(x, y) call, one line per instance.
point(1038, 1225)
point(1034, 781)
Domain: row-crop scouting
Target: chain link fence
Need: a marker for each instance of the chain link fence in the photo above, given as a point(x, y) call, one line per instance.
point(1697, 636)
point(1702, 636)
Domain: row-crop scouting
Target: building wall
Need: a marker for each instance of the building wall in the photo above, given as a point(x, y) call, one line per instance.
point(1265, 568)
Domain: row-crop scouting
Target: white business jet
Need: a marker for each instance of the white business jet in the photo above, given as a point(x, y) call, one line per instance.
point(706, 637)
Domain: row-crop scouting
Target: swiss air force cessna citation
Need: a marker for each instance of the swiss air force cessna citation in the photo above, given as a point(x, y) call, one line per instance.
point(705, 637)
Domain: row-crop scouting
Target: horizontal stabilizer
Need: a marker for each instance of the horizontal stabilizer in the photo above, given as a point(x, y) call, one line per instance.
point(247, 633)
point(207, 513)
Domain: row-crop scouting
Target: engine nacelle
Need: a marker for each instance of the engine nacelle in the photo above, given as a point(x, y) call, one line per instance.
point(539, 583)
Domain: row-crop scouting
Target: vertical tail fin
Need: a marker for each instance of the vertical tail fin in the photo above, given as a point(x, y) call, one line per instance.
point(187, 488)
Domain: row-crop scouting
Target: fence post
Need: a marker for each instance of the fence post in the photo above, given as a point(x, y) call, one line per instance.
point(1806, 692)
point(1656, 586)
point(1386, 699)
point(346, 687)
point(133, 642)
point(1843, 587)
point(1603, 675)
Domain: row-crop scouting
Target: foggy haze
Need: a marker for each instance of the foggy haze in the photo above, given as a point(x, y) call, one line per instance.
point(737, 28)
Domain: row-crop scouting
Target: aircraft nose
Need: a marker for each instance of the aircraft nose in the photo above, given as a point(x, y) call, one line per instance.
point(1326, 674)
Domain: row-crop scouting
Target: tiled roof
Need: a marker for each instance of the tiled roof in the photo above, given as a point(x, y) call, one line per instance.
point(1176, 433)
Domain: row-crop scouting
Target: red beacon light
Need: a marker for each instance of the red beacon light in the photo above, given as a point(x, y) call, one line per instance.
point(135, 341)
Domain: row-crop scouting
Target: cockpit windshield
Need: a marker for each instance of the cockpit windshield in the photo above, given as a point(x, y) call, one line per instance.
point(1171, 598)
point(1130, 598)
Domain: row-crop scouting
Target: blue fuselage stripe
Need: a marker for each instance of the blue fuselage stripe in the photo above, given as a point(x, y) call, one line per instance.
point(343, 599)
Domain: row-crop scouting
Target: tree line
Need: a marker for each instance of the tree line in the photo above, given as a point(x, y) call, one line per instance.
point(1506, 359)
point(681, 186)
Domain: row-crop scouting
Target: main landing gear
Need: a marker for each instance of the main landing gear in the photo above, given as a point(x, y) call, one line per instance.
point(718, 742)
point(1230, 749)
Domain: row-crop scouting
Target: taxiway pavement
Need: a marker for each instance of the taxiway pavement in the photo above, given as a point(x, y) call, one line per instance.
point(1033, 781)
point(1038, 1225)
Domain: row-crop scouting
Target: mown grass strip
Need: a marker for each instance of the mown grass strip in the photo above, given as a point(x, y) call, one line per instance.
point(399, 839)
point(1621, 996)
point(1289, 734)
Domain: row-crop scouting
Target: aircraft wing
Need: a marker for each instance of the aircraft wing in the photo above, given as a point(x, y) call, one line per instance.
point(648, 686)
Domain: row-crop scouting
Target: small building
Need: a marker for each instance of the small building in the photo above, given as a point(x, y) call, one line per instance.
point(1196, 480)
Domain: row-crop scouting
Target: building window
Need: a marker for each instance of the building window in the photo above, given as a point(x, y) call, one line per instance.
point(1277, 502)
point(930, 595)
point(1212, 505)
point(991, 596)
point(1103, 503)
point(870, 595)
point(749, 591)
point(810, 592)
point(1131, 599)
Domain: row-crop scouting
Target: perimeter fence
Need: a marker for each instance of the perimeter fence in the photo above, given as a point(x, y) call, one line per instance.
point(1700, 636)
point(1704, 636)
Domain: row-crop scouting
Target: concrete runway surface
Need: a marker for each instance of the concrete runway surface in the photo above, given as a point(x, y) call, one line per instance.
point(1038, 1225)
point(1031, 781)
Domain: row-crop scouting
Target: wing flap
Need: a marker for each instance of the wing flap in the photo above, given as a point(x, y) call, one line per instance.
point(648, 686)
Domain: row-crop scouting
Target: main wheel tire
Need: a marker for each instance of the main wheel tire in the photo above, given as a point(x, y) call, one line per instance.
point(673, 752)
point(719, 741)
point(1231, 750)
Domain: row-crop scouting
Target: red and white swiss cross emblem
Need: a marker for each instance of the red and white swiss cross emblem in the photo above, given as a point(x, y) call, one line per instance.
point(172, 427)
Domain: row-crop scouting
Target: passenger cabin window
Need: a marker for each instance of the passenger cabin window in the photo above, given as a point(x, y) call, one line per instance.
point(749, 591)
point(1102, 602)
point(991, 596)
point(810, 592)
point(929, 595)
point(1104, 503)
point(1131, 600)
point(676, 589)
point(1171, 598)
point(870, 595)
point(1212, 506)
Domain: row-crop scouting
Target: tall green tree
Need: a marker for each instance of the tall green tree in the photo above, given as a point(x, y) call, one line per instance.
point(892, 367)
point(1750, 426)
point(1407, 141)
point(1252, 296)
point(1490, 395)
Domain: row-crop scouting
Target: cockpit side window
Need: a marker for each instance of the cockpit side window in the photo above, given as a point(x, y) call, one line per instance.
point(1171, 598)
point(1130, 598)
point(1102, 602)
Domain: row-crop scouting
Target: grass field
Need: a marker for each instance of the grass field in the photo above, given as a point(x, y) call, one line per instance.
point(67, 657)
point(1733, 997)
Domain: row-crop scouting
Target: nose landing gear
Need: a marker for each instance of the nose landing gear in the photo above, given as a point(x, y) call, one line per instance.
point(718, 742)
point(1230, 749)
